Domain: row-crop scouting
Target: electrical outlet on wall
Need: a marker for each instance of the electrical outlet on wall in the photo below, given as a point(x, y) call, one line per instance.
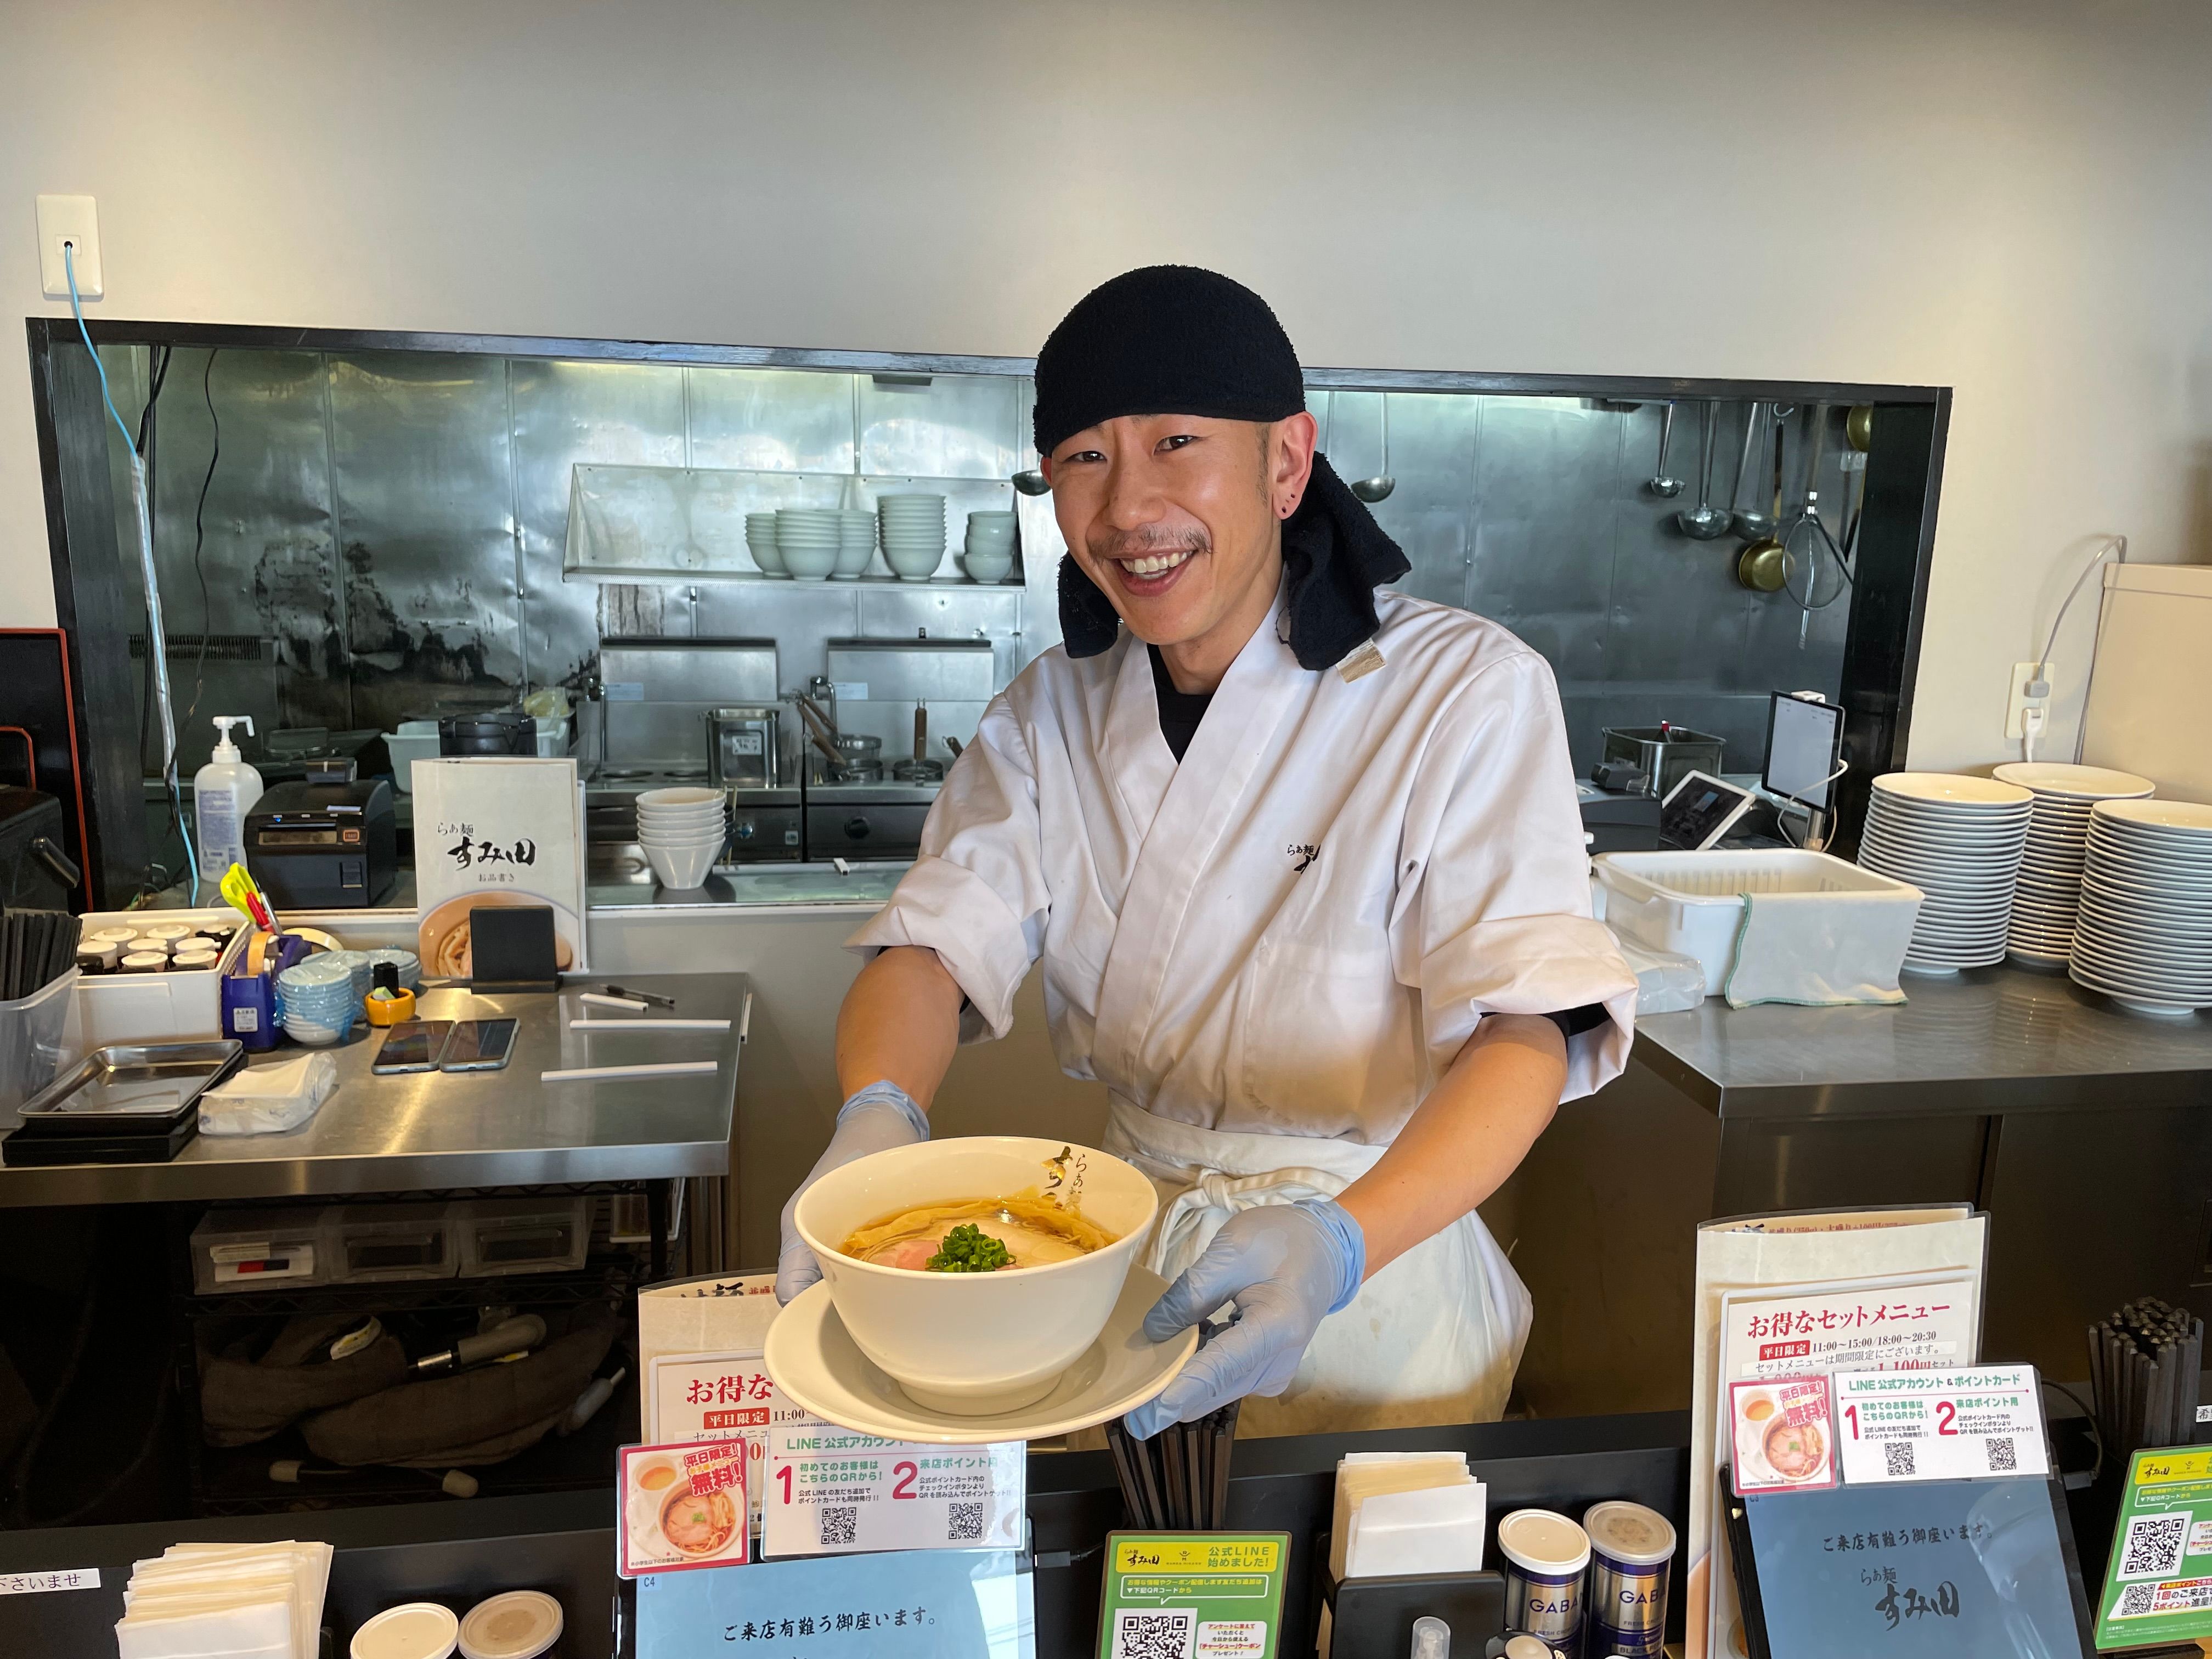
point(2019, 701)
point(70, 222)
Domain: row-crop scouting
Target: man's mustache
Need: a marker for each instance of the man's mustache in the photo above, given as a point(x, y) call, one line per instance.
point(1147, 542)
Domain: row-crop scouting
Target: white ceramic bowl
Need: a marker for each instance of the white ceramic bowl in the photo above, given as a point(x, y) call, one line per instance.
point(988, 567)
point(766, 554)
point(974, 1344)
point(913, 566)
point(681, 795)
point(810, 563)
point(682, 840)
point(682, 868)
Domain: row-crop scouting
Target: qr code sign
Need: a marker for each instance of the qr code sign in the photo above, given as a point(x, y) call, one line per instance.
point(1896, 1458)
point(838, 1523)
point(2003, 1455)
point(2152, 1549)
point(2135, 1601)
point(1166, 1633)
point(964, 1523)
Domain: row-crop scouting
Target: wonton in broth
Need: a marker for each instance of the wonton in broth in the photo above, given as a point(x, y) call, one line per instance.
point(1036, 1232)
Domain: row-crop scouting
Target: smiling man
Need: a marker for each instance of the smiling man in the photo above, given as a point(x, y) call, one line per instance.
point(1302, 860)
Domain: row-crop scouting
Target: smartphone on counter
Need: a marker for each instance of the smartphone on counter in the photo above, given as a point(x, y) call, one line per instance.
point(478, 1045)
point(413, 1045)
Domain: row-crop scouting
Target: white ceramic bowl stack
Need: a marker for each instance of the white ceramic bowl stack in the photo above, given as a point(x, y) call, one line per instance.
point(760, 542)
point(1959, 840)
point(856, 543)
point(2143, 935)
point(809, 539)
point(989, 555)
point(913, 534)
point(682, 832)
point(2049, 888)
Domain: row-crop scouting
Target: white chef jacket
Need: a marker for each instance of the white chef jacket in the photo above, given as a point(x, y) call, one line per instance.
point(1295, 930)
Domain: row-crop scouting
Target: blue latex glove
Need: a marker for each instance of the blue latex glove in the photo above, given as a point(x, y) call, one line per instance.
point(876, 1118)
point(1286, 1266)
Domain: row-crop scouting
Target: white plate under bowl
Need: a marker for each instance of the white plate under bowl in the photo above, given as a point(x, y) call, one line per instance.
point(2154, 1004)
point(1952, 788)
point(1983, 820)
point(2176, 971)
point(814, 1359)
point(2189, 817)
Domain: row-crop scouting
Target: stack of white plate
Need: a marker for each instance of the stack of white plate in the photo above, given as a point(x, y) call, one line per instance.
point(2144, 934)
point(1959, 840)
point(913, 534)
point(2057, 838)
point(808, 539)
point(856, 543)
point(760, 542)
point(681, 831)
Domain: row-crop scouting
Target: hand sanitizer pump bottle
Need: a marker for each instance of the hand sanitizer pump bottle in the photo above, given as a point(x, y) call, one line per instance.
point(223, 793)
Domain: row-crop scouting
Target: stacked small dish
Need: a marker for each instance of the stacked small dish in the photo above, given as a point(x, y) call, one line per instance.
point(319, 1003)
point(856, 543)
point(760, 542)
point(808, 538)
point(913, 534)
point(682, 832)
point(1959, 840)
point(2049, 888)
point(990, 552)
point(2143, 935)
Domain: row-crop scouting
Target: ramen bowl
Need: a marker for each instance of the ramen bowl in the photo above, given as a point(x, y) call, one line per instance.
point(975, 1344)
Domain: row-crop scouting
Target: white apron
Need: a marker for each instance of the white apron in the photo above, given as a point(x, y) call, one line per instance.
point(1435, 1337)
point(1269, 952)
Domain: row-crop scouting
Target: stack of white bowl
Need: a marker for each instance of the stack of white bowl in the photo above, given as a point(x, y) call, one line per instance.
point(681, 831)
point(809, 539)
point(856, 543)
point(990, 552)
point(760, 542)
point(2144, 934)
point(2049, 888)
point(1959, 840)
point(913, 534)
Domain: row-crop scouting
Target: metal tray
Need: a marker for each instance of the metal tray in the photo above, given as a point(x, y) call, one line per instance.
point(133, 1083)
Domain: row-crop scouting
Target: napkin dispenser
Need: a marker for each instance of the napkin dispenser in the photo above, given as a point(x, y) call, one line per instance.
point(328, 843)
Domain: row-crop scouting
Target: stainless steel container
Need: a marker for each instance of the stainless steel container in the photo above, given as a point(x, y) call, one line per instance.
point(1546, 1556)
point(1664, 753)
point(1631, 1549)
point(744, 747)
point(655, 690)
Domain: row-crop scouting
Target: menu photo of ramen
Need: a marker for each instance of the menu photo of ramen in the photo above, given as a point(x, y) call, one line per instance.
point(682, 1506)
point(1784, 1435)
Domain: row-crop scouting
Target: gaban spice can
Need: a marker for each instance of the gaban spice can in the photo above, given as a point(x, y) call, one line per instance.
point(1631, 1548)
point(1547, 1557)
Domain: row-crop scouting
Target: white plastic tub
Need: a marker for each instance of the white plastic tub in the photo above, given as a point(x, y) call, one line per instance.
point(162, 1007)
point(415, 740)
point(1693, 903)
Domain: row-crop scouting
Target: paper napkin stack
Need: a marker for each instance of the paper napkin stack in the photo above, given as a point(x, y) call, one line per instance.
point(239, 1601)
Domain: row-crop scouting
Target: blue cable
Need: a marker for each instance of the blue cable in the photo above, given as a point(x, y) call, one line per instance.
point(176, 798)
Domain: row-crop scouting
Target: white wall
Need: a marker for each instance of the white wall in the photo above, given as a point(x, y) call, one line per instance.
point(2006, 197)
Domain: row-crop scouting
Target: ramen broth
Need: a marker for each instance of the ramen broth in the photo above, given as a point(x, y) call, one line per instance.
point(1035, 1231)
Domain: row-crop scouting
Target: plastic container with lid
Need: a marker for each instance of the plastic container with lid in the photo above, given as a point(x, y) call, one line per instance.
point(519, 1625)
point(1547, 1555)
point(277, 1247)
point(1631, 1549)
point(374, 1242)
point(548, 1235)
point(413, 1630)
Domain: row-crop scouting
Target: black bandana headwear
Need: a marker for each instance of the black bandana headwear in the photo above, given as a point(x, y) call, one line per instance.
point(1176, 340)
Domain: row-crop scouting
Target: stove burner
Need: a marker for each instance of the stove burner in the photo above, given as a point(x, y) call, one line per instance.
point(640, 773)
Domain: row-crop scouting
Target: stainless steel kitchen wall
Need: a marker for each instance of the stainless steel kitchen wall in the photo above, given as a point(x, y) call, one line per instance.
point(394, 523)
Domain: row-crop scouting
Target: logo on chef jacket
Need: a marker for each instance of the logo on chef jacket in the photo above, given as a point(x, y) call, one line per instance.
point(1303, 855)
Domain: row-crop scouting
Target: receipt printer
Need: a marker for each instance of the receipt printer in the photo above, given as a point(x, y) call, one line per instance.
point(328, 843)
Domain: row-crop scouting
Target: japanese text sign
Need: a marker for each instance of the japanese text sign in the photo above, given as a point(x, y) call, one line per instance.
point(1202, 1595)
point(831, 1489)
point(1963, 1424)
point(922, 1604)
point(2158, 1585)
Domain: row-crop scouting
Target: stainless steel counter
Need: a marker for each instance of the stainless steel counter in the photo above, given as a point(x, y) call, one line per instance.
point(433, 1130)
point(1990, 1040)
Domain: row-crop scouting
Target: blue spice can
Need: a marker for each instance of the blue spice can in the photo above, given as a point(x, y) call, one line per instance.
point(1631, 1551)
point(1545, 1558)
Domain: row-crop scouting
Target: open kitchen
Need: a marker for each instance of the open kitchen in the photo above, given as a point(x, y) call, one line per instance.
point(797, 856)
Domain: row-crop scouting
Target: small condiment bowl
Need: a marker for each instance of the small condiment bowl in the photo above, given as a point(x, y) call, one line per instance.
point(974, 1344)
